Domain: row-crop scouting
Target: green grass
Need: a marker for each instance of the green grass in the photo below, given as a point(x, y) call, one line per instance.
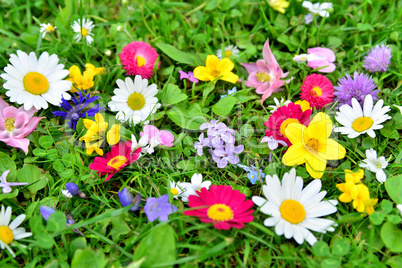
point(113, 234)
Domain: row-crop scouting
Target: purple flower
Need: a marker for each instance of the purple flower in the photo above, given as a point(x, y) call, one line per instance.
point(378, 59)
point(46, 212)
point(359, 87)
point(7, 185)
point(203, 142)
point(227, 154)
point(158, 208)
point(126, 199)
point(189, 76)
point(72, 189)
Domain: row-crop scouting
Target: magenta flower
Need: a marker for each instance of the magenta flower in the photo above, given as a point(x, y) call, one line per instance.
point(318, 57)
point(189, 76)
point(16, 124)
point(265, 75)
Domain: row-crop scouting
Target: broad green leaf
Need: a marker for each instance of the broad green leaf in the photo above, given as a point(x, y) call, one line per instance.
point(331, 263)
point(88, 258)
point(224, 106)
point(36, 224)
point(13, 194)
point(391, 235)
point(177, 55)
point(120, 228)
point(44, 240)
point(386, 206)
point(68, 160)
point(377, 217)
point(393, 186)
point(78, 243)
point(58, 166)
point(246, 130)
point(46, 142)
point(321, 249)
point(6, 163)
point(56, 222)
point(172, 95)
point(341, 247)
point(188, 118)
point(36, 177)
point(394, 262)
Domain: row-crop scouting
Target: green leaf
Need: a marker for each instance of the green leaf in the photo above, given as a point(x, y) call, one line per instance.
point(36, 177)
point(44, 240)
point(224, 106)
point(377, 217)
point(177, 55)
point(58, 166)
point(368, 143)
point(11, 195)
point(36, 224)
point(334, 41)
point(120, 228)
point(246, 130)
point(321, 249)
point(386, 206)
point(46, 142)
point(331, 263)
point(187, 117)
point(389, 131)
point(88, 258)
point(393, 186)
point(341, 247)
point(394, 262)
point(6, 163)
point(172, 95)
point(364, 27)
point(158, 247)
point(56, 222)
point(78, 243)
point(68, 160)
point(395, 219)
point(391, 235)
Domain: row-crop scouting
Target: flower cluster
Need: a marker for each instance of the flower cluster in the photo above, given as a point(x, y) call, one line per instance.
point(85, 80)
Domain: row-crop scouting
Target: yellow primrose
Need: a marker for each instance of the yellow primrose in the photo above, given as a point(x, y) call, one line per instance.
point(305, 105)
point(215, 68)
point(311, 145)
point(349, 191)
point(85, 80)
point(369, 205)
point(362, 196)
point(96, 133)
point(279, 5)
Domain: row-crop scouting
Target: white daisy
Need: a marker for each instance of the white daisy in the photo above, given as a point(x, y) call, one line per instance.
point(10, 232)
point(35, 82)
point(47, 28)
point(230, 51)
point(357, 121)
point(134, 102)
point(196, 185)
point(278, 104)
point(318, 8)
point(375, 164)
point(294, 210)
point(85, 31)
point(176, 189)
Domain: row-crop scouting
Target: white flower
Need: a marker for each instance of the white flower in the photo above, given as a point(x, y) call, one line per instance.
point(278, 104)
point(318, 8)
point(294, 210)
point(143, 141)
point(47, 28)
point(375, 164)
point(11, 232)
point(272, 143)
point(35, 82)
point(399, 207)
point(134, 102)
point(66, 193)
point(357, 121)
point(85, 31)
point(230, 50)
point(196, 185)
point(308, 18)
point(176, 189)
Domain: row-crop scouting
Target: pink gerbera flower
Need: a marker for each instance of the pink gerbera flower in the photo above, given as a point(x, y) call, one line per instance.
point(317, 90)
point(282, 117)
point(119, 156)
point(138, 58)
point(222, 206)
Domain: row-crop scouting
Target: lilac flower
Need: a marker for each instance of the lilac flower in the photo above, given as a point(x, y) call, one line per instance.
point(378, 59)
point(272, 143)
point(203, 142)
point(46, 211)
point(189, 76)
point(75, 112)
point(359, 87)
point(227, 154)
point(158, 208)
point(308, 18)
point(7, 185)
point(126, 199)
point(231, 92)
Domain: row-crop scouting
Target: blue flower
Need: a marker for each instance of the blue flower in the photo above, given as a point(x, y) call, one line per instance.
point(126, 199)
point(75, 112)
point(253, 175)
point(158, 208)
point(231, 92)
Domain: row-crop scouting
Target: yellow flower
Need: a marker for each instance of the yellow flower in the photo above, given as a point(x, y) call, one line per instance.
point(85, 80)
point(279, 5)
point(311, 145)
point(93, 70)
point(305, 105)
point(216, 69)
point(363, 195)
point(354, 177)
point(369, 205)
point(349, 191)
point(96, 133)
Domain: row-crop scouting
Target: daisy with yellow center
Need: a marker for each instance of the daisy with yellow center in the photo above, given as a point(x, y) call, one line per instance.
point(357, 120)
point(10, 231)
point(294, 210)
point(311, 145)
point(47, 28)
point(176, 189)
point(216, 69)
point(229, 51)
point(35, 82)
point(83, 30)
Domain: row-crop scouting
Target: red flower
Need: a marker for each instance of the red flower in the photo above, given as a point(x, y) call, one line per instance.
point(317, 90)
point(282, 117)
point(119, 156)
point(222, 206)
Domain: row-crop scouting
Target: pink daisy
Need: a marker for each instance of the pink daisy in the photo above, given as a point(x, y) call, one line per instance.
point(317, 90)
point(222, 206)
point(138, 58)
point(282, 117)
point(119, 156)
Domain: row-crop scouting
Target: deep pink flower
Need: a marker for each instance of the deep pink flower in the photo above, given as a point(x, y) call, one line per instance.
point(317, 90)
point(16, 124)
point(265, 75)
point(139, 58)
point(222, 206)
point(119, 156)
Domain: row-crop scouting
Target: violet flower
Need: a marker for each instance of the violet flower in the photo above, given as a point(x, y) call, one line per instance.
point(227, 154)
point(7, 185)
point(378, 59)
point(126, 199)
point(189, 76)
point(158, 208)
point(46, 211)
point(72, 189)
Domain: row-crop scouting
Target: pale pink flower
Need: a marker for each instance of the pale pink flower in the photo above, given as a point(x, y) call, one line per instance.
point(318, 57)
point(156, 137)
point(265, 75)
point(16, 124)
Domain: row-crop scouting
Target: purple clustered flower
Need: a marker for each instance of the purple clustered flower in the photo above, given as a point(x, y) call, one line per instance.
point(75, 112)
point(220, 142)
point(158, 208)
point(359, 87)
point(378, 59)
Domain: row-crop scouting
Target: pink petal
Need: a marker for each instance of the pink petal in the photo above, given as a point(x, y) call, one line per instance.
point(323, 52)
point(268, 56)
point(250, 67)
point(166, 138)
point(10, 112)
point(21, 120)
point(19, 143)
point(151, 131)
point(3, 104)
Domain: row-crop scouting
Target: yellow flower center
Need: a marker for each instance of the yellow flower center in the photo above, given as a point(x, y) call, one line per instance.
point(140, 60)
point(378, 164)
point(263, 77)
point(136, 101)
point(316, 91)
point(285, 124)
point(220, 212)
point(35, 83)
point(174, 191)
point(215, 73)
point(9, 123)
point(84, 32)
point(228, 53)
point(117, 161)
point(292, 211)
point(49, 28)
point(313, 144)
point(6, 235)
point(362, 123)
